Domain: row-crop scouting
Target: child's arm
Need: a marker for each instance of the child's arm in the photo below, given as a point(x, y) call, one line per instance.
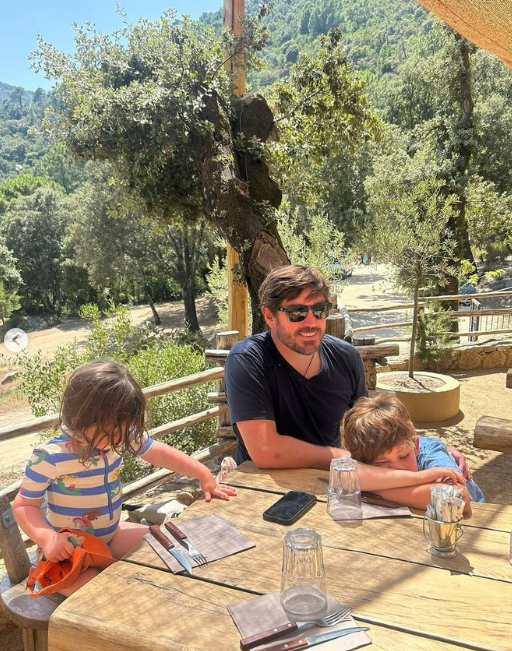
point(375, 478)
point(55, 546)
point(164, 456)
point(418, 496)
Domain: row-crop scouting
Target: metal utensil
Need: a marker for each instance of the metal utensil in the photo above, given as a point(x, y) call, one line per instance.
point(305, 642)
point(195, 554)
point(251, 641)
point(163, 545)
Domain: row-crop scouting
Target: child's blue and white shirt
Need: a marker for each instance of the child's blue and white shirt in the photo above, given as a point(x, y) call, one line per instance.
point(81, 495)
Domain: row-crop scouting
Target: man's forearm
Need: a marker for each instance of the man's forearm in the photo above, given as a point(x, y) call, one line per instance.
point(289, 452)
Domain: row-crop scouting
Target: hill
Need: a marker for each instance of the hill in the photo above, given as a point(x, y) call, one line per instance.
point(376, 32)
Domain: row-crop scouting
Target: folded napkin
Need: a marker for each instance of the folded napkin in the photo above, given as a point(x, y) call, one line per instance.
point(211, 535)
point(262, 613)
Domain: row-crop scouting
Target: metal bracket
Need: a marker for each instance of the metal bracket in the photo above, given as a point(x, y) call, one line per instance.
point(8, 519)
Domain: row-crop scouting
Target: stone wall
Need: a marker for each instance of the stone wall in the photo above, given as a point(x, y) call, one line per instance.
point(464, 358)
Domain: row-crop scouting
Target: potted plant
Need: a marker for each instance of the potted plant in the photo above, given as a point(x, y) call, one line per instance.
point(411, 234)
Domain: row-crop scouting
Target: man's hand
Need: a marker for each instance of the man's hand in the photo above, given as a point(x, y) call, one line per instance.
point(211, 489)
point(446, 475)
point(57, 547)
point(460, 460)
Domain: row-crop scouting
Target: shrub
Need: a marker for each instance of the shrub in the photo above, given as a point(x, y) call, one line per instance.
point(152, 356)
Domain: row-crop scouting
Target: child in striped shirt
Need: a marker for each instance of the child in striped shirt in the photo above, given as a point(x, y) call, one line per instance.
point(102, 416)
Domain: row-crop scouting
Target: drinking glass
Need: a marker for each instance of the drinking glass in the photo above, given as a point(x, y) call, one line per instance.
point(344, 492)
point(303, 591)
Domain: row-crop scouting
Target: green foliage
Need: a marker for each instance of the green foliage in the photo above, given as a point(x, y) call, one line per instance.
point(432, 338)
point(320, 108)
point(33, 230)
point(174, 360)
point(24, 185)
point(315, 241)
point(9, 302)
point(136, 98)
point(217, 279)
point(152, 358)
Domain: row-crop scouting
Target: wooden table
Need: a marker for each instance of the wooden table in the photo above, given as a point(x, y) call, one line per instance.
point(380, 568)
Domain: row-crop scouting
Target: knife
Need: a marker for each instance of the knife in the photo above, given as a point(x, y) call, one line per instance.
point(168, 546)
point(306, 642)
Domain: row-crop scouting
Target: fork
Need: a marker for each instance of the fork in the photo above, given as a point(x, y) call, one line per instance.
point(342, 614)
point(194, 553)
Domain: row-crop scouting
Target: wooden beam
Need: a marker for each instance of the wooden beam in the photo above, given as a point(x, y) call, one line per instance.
point(238, 302)
point(493, 434)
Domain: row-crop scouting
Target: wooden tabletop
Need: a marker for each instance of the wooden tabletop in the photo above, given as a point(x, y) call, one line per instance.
point(381, 568)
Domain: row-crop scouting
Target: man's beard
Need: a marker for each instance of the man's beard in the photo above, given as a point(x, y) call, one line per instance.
point(290, 340)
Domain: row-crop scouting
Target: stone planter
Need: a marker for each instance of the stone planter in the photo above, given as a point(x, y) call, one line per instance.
point(429, 405)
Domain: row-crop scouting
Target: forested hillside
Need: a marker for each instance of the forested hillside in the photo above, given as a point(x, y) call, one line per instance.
point(375, 32)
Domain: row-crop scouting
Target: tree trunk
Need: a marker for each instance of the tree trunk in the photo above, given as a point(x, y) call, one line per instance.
point(189, 301)
point(156, 316)
point(414, 329)
point(235, 201)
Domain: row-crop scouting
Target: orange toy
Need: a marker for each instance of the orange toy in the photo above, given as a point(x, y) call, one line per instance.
point(48, 577)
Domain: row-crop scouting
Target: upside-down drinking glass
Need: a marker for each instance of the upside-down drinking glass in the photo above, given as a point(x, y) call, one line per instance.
point(344, 492)
point(303, 591)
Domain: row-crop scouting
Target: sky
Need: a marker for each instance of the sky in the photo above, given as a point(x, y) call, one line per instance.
point(22, 20)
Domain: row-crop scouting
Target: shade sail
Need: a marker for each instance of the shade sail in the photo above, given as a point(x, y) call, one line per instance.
point(487, 23)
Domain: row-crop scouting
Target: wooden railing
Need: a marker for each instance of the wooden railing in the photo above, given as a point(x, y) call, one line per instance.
point(455, 314)
point(158, 477)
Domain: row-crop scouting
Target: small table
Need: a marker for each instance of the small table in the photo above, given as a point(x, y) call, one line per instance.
point(380, 568)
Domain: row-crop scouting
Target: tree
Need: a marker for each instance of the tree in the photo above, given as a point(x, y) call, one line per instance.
point(411, 233)
point(155, 101)
point(33, 230)
point(9, 302)
point(104, 242)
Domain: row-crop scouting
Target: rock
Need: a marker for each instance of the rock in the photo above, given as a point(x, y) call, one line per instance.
point(494, 360)
point(10, 377)
point(469, 359)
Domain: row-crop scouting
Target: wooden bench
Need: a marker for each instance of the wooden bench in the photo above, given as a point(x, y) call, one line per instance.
point(493, 434)
point(29, 614)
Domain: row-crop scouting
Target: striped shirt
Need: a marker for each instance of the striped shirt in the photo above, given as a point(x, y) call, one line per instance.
point(81, 495)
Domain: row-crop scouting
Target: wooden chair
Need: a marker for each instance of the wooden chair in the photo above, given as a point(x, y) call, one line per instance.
point(29, 613)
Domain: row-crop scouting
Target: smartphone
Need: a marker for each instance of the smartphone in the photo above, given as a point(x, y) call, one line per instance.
point(290, 507)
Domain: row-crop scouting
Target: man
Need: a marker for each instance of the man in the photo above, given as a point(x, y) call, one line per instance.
point(288, 388)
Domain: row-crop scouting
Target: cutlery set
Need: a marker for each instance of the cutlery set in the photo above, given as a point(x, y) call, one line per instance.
point(169, 546)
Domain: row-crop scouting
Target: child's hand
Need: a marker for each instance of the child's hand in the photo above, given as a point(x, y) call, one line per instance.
point(446, 475)
point(57, 547)
point(211, 489)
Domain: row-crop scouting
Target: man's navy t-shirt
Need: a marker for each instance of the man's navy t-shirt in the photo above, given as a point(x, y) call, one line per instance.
point(261, 385)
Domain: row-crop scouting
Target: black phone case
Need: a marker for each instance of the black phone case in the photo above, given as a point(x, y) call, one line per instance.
point(289, 508)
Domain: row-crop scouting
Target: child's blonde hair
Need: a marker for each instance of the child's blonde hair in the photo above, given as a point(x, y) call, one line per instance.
point(376, 425)
point(104, 395)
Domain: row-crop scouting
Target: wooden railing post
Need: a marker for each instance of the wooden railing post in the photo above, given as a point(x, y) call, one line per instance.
point(335, 325)
point(224, 341)
point(13, 549)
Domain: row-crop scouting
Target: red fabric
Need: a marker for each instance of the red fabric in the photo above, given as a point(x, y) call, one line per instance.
point(52, 577)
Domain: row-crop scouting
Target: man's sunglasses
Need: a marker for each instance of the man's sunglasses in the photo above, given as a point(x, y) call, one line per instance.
point(297, 313)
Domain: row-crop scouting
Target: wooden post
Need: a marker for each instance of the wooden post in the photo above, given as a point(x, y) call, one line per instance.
point(335, 325)
point(224, 341)
point(508, 382)
point(238, 305)
point(17, 563)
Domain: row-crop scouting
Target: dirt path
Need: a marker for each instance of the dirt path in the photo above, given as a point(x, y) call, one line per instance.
point(482, 392)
